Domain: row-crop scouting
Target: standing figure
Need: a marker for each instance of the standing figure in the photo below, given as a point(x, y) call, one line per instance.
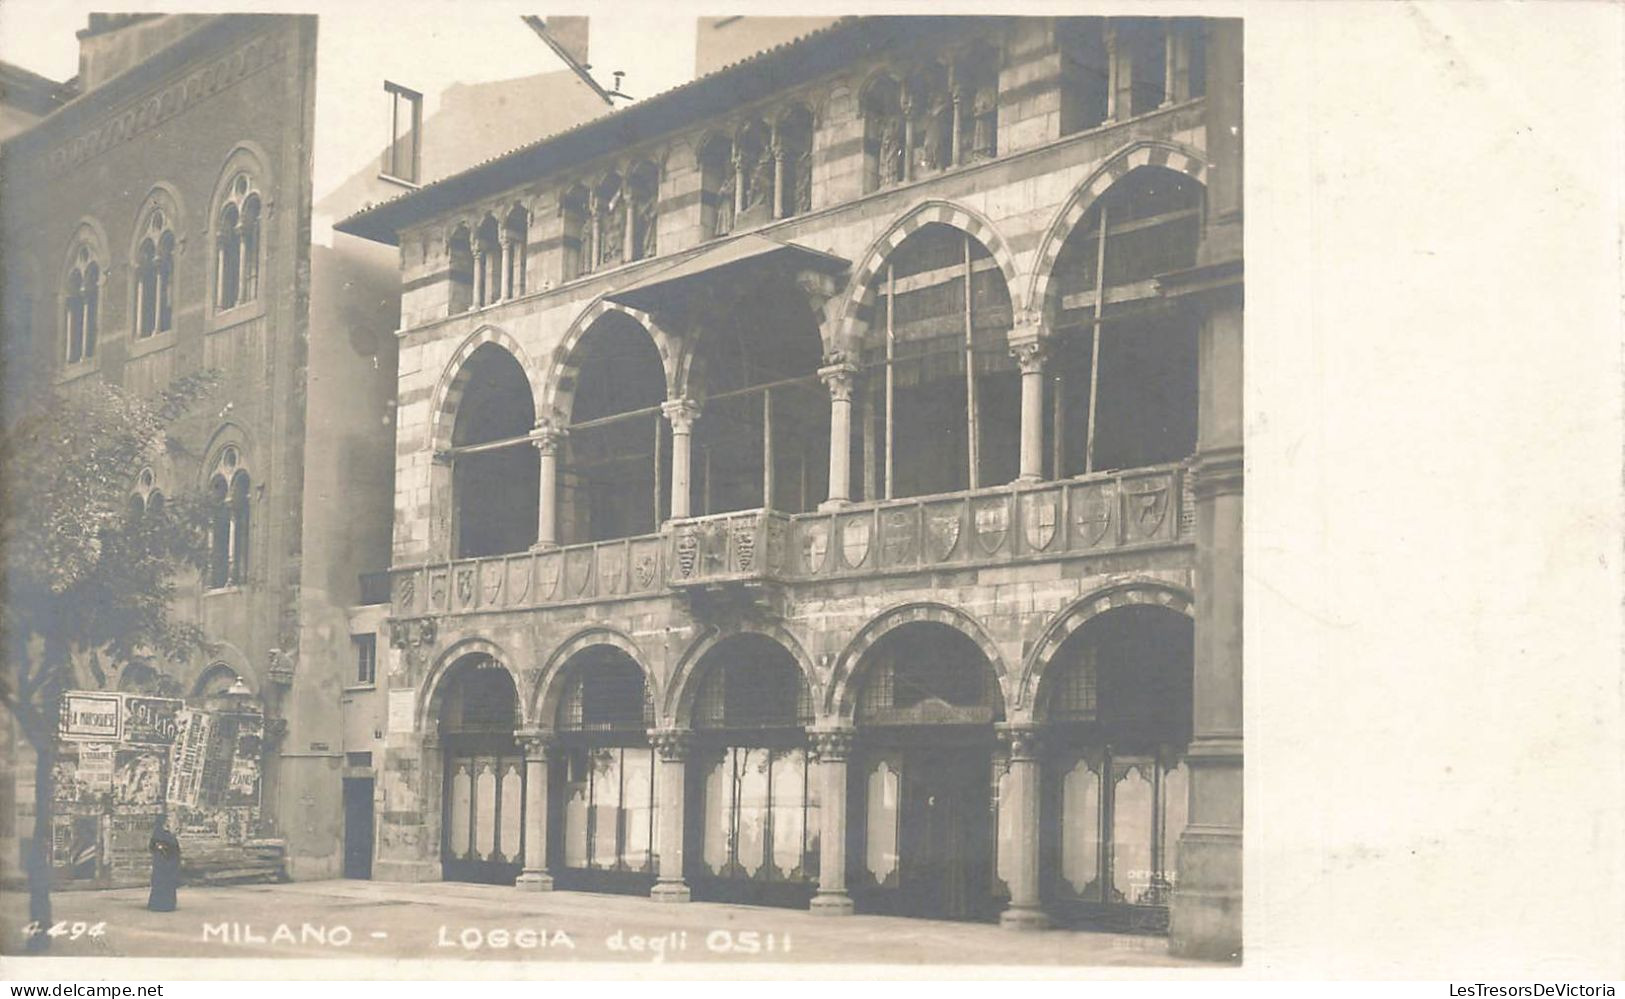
point(984, 123)
point(891, 150)
point(166, 867)
point(760, 192)
point(803, 183)
point(612, 231)
point(646, 226)
point(725, 205)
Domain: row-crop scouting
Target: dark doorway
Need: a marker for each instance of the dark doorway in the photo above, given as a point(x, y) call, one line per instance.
point(947, 835)
point(483, 816)
point(358, 827)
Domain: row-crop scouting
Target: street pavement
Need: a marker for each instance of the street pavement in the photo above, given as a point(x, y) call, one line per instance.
point(460, 922)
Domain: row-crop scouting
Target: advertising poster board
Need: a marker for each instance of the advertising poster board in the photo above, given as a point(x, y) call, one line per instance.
point(187, 758)
point(139, 777)
point(91, 715)
point(150, 721)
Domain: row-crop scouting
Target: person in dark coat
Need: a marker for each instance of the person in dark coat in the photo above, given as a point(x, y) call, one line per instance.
point(166, 867)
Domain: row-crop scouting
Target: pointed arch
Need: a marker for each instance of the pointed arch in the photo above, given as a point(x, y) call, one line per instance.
point(557, 392)
point(448, 392)
point(679, 697)
point(840, 700)
point(432, 691)
point(1126, 593)
point(1168, 155)
point(858, 307)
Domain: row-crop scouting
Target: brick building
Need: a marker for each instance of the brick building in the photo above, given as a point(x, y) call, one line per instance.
point(820, 484)
point(175, 216)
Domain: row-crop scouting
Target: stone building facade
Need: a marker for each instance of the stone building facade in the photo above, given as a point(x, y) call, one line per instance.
point(820, 485)
point(169, 219)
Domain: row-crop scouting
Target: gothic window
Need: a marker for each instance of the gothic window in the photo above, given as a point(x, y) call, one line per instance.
point(976, 86)
point(460, 270)
point(883, 133)
point(494, 465)
point(229, 486)
point(146, 498)
point(237, 245)
point(717, 186)
point(577, 240)
point(643, 185)
point(609, 221)
point(794, 146)
point(154, 276)
point(515, 233)
point(81, 304)
point(487, 263)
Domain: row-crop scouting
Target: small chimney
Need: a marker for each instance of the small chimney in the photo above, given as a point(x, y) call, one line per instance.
point(571, 35)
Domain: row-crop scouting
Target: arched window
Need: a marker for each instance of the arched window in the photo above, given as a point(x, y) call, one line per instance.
point(81, 304)
point(154, 276)
point(943, 406)
point(460, 266)
point(573, 212)
point(146, 498)
point(237, 245)
point(717, 186)
point(607, 791)
point(515, 233)
point(884, 151)
point(795, 141)
point(487, 263)
point(1143, 369)
point(643, 186)
point(229, 491)
point(495, 473)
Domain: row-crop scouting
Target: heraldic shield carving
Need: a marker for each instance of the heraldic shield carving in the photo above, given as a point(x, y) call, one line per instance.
point(1147, 508)
point(942, 526)
point(518, 580)
point(814, 545)
point(548, 569)
point(406, 592)
point(1039, 514)
point(612, 568)
point(855, 540)
point(437, 591)
point(687, 551)
point(1092, 513)
point(578, 571)
point(646, 566)
point(491, 577)
point(898, 536)
point(465, 586)
point(992, 522)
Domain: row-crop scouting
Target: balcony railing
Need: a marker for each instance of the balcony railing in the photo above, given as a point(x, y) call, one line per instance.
point(1107, 512)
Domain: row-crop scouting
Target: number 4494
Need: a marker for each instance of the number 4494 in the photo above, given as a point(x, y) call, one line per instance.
point(73, 931)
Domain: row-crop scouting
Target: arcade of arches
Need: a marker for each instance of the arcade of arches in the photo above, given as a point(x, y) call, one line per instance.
point(911, 794)
point(750, 406)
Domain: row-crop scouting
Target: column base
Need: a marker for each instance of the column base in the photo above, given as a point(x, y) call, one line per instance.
point(669, 891)
point(1205, 912)
point(833, 504)
point(407, 871)
point(1024, 918)
point(534, 881)
point(1029, 478)
point(833, 903)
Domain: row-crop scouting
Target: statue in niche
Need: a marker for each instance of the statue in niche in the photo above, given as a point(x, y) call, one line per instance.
point(759, 195)
point(646, 225)
point(803, 182)
point(612, 230)
point(930, 156)
point(891, 149)
point(984, 120)
point(725, 204)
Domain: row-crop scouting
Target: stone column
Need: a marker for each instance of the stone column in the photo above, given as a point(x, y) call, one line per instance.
point(959, 127)
point(505, 274)
point(1205, 912)
point(1030, 354)
point(1025, 911)
point(834, 749)
point(1176, 74)
point(682, 413)
point(534, 877)
point(547, 439)
point(838, 374)
point(779, 207)
point(672, 746)
point(1114, 72)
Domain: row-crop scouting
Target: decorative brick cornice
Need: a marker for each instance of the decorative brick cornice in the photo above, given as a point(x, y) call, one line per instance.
point(154, 109)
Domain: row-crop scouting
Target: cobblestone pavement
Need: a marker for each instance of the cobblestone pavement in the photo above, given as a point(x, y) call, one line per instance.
point(460, 922)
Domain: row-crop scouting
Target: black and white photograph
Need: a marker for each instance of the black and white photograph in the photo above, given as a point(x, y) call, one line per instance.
point(626, 487)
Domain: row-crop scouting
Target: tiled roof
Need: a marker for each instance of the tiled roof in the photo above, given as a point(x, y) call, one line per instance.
point(780, 65)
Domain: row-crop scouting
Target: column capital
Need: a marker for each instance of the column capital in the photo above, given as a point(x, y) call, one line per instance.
point(833, 745)
point(547, 436)
point(1218, 471)
point(536, 742)
point(839, 372)
point(681, 413)
point(1021, 737)
point(1030, 355)
point(672, 744)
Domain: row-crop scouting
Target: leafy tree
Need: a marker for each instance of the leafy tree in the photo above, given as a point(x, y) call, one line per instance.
point(88, 577)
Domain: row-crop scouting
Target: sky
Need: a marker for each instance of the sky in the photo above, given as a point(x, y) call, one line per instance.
point(642, 40)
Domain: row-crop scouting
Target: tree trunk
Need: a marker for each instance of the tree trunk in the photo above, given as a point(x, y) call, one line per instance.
point(39, 855)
